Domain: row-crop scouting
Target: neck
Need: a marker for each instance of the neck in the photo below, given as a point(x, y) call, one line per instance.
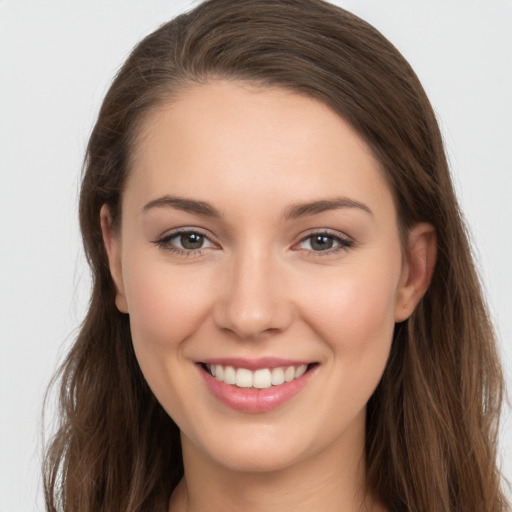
point(333, 480)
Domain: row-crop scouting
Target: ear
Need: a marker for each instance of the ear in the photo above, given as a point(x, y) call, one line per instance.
point(417, 270)
point(112, 246)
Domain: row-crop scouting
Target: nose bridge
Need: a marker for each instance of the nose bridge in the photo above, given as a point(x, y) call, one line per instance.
point(252, 301)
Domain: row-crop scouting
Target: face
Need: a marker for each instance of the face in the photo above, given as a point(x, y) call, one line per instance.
point(259, 243)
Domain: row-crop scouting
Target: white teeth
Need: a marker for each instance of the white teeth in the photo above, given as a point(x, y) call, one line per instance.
point(301, 370)
point(277, 376)
point(243, 378)
point(229, 375)
point(262, 379)
point(259, 379)
point(289, 374)
point(219, 372)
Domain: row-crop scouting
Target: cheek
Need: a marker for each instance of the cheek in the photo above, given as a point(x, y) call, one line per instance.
point(354, 313)
point(165, 305)
point(355, 319)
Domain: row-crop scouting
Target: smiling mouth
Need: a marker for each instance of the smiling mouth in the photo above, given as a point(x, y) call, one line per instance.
point(262, 378)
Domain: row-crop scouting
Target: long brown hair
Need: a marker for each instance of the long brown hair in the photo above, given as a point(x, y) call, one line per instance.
point(432, 422)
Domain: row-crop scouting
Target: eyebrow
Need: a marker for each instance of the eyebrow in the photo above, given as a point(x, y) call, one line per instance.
point(293, 211)
point(186, 205)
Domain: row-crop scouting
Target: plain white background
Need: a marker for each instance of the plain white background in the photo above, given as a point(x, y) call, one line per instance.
point(56, 61)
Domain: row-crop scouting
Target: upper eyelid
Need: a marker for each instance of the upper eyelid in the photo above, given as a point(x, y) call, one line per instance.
point(179, 231)
point(326, 231)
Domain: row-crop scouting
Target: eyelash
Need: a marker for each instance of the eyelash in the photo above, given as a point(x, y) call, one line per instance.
point(165, 243)
point(344, 244)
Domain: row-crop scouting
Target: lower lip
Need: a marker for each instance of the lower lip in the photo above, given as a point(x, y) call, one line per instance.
point(255, 400)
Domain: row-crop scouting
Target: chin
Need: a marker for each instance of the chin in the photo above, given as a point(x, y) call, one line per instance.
point(253, 450)
point(256, 459)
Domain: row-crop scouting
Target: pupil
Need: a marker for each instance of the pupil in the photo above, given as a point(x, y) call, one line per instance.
point(321, 243)
point(192, 241)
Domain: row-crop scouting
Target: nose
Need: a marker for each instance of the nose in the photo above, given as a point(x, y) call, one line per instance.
point(252, 298)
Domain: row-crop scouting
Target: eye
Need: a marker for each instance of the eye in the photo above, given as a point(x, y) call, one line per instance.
point(185, 241)
point(324, 242)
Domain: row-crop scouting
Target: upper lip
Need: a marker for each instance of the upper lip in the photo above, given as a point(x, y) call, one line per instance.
point(255, 364)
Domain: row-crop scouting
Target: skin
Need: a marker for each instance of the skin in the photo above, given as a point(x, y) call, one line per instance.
point(258, 287)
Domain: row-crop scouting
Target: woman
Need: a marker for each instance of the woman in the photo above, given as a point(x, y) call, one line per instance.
point(285, 311)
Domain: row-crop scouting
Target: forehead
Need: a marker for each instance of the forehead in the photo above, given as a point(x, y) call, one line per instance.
point(228, 139)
